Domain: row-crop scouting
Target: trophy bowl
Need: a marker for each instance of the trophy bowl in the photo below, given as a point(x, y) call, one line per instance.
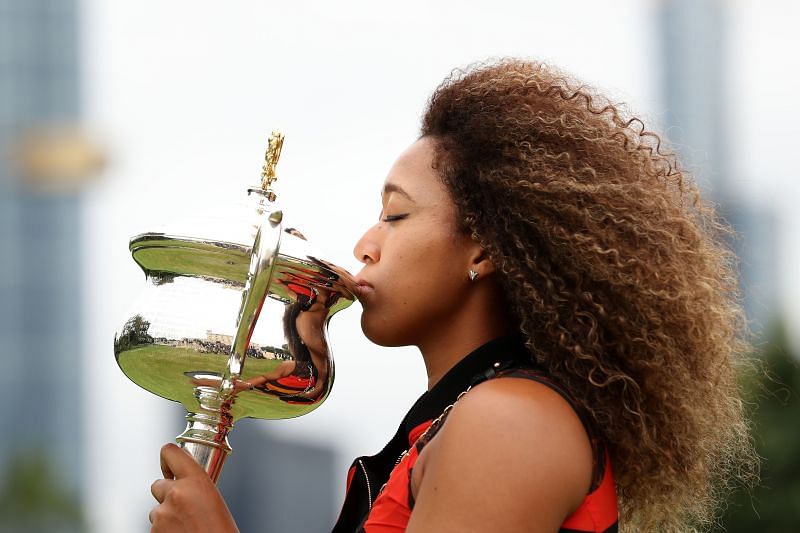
point(233, 320)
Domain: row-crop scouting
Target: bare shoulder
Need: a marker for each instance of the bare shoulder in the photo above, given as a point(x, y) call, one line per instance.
point(524, 405)
point(524, 422)
point(512, 456)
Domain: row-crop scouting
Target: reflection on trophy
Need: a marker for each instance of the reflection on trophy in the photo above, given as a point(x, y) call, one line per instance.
point(233, 322)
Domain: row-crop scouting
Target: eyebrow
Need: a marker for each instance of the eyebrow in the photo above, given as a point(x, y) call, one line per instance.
point(393, 187)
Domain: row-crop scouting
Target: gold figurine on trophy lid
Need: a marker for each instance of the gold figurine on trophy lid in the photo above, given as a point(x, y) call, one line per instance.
point(268, 177)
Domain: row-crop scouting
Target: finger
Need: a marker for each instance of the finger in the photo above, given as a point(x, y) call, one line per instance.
point(165, 470)
point(160, 488)
point(152, 514)
point(177, 463)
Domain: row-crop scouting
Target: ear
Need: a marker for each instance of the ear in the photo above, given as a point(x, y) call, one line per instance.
point(480, 262)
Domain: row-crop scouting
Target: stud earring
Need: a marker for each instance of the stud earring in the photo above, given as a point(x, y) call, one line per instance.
point(473, 275)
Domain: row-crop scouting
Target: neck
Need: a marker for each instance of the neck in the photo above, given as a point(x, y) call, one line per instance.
point(458, 336)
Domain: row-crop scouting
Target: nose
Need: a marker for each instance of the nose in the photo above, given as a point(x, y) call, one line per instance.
point(367, 250)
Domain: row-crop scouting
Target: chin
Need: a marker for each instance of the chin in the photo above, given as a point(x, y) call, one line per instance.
point(382, 334)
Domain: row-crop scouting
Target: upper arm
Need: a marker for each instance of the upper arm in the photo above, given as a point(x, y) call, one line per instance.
point(512, 456)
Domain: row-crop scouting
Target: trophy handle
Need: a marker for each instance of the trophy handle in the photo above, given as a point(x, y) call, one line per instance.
point(206, 434)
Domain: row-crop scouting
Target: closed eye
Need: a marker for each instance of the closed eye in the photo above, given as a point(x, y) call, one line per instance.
point(393, 218)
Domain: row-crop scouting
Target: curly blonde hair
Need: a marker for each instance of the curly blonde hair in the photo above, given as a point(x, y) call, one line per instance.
point(617, 272)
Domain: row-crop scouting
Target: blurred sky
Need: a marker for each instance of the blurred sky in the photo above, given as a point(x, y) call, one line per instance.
point(183, 96)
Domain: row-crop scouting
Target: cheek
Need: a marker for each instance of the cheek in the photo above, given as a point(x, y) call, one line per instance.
point(423, 292)
point(431, 254)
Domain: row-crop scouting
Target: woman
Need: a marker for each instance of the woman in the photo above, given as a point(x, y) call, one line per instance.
point(552, 262)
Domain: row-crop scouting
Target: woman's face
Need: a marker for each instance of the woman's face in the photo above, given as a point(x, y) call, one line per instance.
point(416, 262)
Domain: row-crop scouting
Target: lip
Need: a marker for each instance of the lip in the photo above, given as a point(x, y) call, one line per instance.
point(363, 287)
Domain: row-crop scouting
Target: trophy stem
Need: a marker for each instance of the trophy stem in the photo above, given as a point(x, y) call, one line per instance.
point(206, 434)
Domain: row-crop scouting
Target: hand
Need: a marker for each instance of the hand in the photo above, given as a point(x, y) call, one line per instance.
point(189, 501)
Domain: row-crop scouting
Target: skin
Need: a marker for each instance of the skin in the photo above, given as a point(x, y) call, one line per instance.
point(523, 467)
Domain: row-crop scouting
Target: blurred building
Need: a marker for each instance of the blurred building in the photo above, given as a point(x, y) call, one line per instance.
point(40, 295)
point(274, 484)
point(694, 40)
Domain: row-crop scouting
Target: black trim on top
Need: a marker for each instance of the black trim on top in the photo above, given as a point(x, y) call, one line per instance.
point(507, 351)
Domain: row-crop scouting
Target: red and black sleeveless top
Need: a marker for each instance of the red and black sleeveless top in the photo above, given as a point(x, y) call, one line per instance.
point(379, 498)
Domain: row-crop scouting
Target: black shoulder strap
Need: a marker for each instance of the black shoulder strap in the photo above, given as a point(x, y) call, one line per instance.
point(493, 371)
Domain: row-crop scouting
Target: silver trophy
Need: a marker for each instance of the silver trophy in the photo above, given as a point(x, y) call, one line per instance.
point(233, 321)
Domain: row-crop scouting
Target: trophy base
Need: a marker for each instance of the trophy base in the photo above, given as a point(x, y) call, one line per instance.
point(206, 433)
